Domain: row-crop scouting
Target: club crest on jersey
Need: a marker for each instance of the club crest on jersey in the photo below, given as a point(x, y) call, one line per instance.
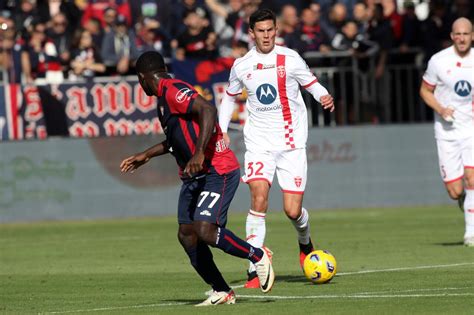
point(266, 93)
point(281, 71)
point(298, 181)
point(462, 88)
point(184, 95)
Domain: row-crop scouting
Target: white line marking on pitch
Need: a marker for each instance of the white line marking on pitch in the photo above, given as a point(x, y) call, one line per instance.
point(362, 295)
point(115, 308)
point(351, 296)
point(414, 290)
point(384, 270)
point(403, 268)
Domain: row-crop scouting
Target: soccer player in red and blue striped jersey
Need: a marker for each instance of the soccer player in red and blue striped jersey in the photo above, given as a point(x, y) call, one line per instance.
point(210, 176)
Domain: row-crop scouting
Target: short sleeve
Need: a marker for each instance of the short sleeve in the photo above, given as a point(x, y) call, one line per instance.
point(235, 85)
point(430, 77)
point(302, 74)
point(180, 97)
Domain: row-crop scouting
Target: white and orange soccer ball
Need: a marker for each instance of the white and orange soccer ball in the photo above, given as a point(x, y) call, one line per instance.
point(319, 266)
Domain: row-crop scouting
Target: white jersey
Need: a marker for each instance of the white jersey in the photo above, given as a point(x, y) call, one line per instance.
point(453, 79)
point(277, 113)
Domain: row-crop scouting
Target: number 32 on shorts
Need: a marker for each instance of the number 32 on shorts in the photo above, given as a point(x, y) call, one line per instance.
point(254, 169)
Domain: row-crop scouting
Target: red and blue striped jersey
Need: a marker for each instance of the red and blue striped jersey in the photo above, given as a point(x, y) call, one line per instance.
point(175, 101)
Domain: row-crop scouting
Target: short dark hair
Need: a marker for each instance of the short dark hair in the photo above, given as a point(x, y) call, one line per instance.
point(261, 15)
point(150, 61)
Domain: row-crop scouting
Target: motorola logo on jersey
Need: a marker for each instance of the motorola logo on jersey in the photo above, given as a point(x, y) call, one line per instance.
point(266, 94)
point(462, 88)
point(184, 94)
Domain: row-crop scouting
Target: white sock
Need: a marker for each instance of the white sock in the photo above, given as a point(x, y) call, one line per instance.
point(469, 213)
point(256, 229)
point(302, 227)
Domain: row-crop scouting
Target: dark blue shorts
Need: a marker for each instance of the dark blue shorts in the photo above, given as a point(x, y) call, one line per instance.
point(207, 198)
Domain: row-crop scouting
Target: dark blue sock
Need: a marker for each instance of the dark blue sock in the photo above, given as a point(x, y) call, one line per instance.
point(231, 244)
point(202, 260)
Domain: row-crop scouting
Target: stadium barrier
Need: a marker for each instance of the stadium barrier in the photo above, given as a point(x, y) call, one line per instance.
point(103, 106)
point(348, 167)
point(109, 106)
point(360, 97)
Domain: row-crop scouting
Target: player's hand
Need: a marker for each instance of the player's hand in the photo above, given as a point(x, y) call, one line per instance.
point(447, 113)
point(327, 102)
point(194, 165)
point(133, 162)
point(226, 138)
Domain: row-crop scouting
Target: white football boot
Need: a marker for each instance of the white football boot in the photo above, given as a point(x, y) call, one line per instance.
point(469, 241)
point(265, 273)
point(217, 298)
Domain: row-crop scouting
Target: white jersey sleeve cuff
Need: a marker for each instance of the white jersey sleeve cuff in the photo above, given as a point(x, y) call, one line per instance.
point(317, 90)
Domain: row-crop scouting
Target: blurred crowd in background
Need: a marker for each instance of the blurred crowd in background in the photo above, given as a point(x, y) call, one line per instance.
point(68, 39)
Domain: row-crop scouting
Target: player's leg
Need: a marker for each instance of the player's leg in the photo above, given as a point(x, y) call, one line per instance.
point(292, 173)
point(299, 217)
point(469, 207)
point(259, 171)
point(255, 224)
point(201, 258)
point(198, 252)
point(210, 219)
point(227, 241)
point(456, 161)
point(451, 167)
point(455, 189)
point(468, 160)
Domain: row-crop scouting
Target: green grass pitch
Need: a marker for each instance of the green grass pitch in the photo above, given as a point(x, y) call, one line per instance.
point(390, 261)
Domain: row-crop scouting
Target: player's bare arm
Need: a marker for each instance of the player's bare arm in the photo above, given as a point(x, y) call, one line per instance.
point(207, 115)
point(427, 94)
point(133, 162)
point(226, 138)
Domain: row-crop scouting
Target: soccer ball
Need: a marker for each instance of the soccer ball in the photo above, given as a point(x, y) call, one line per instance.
point(319, 266)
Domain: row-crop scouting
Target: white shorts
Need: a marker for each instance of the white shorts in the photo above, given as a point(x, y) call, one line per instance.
point(291, 168)
point(454, 156)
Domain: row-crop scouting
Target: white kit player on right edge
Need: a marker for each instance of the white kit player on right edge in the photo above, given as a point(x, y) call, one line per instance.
point(447, 88)
point(276, 130)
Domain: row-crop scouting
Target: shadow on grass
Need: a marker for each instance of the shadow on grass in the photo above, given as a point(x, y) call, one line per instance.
point(185, 301)
point(243, 299)
point(301, 279)
point(290, 278)
point(282, 278)
point(451, 244)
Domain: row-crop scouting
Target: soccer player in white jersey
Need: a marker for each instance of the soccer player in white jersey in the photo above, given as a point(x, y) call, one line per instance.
point(447, 88)
point(276, 130)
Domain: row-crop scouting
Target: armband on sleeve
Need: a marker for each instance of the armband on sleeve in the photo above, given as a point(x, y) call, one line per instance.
point(317, 90)
point(225, 111)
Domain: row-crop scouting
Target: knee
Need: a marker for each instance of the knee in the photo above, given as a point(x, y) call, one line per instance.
point(455, 192)
point(182, 237)
point(206, 232)
point(187, 238)
point(293, 214)
point(259, 202)
point(470, 182)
